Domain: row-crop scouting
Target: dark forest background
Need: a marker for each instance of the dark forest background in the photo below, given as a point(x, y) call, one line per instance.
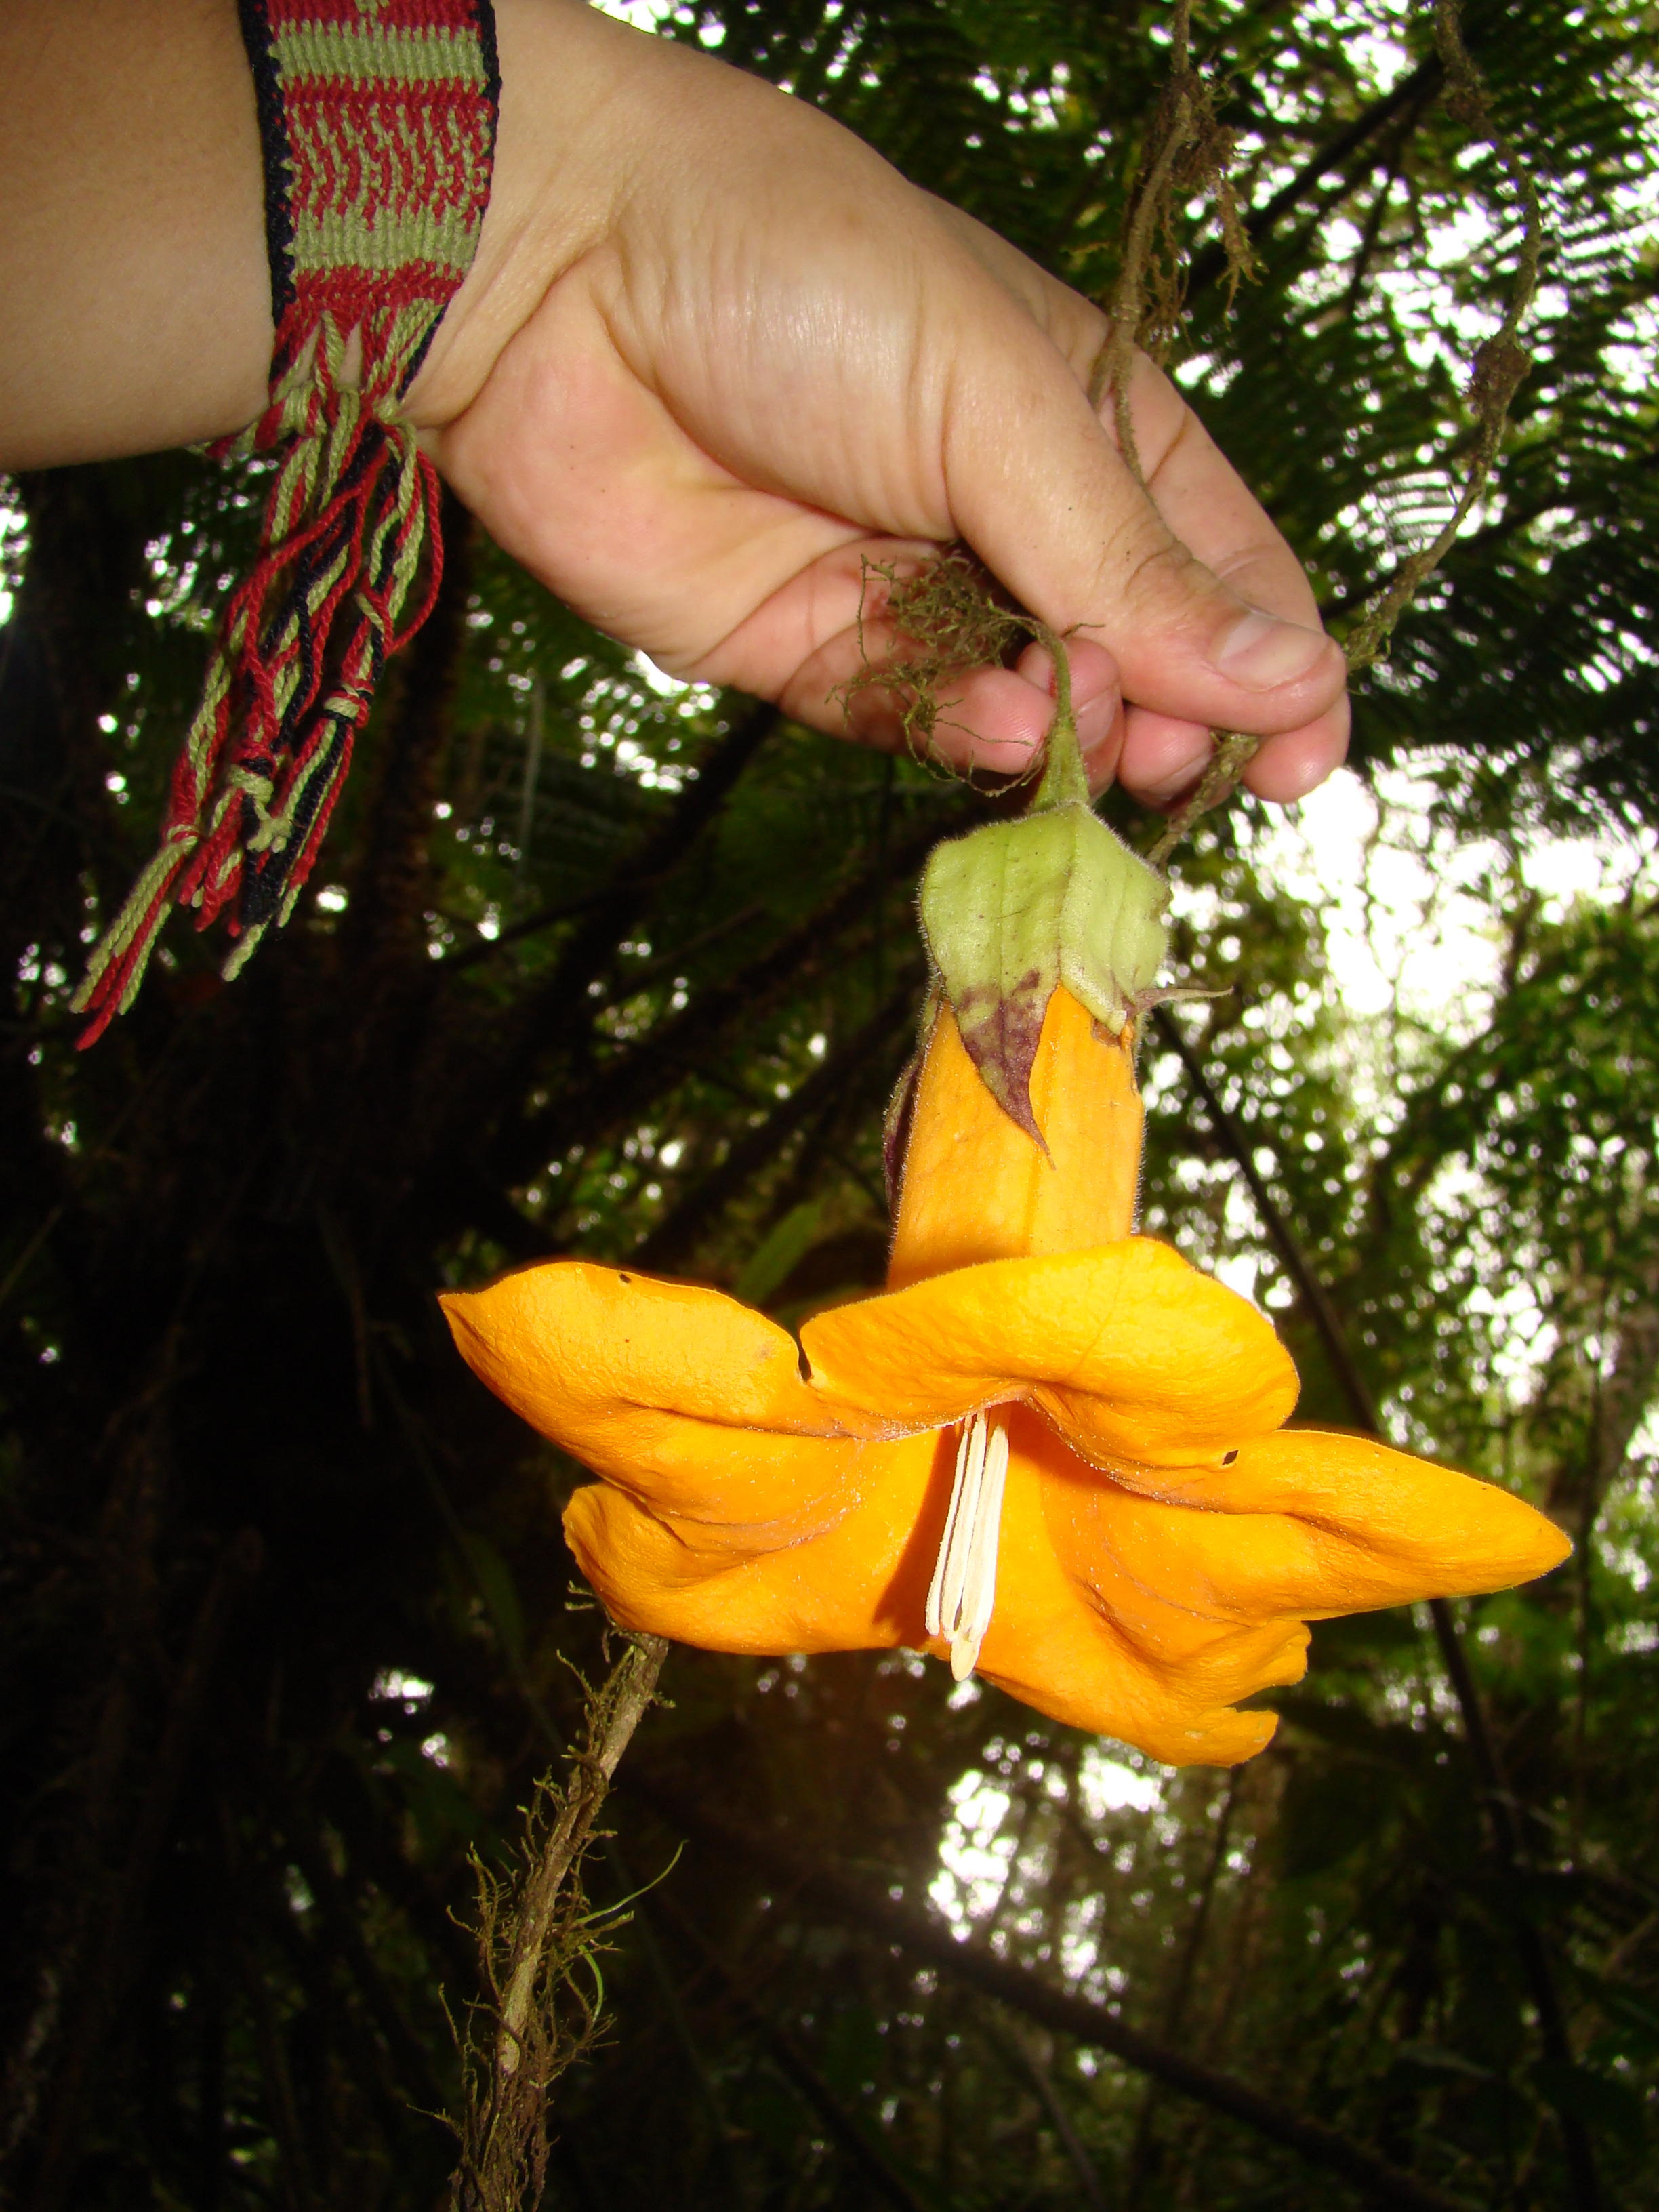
point(596, 963)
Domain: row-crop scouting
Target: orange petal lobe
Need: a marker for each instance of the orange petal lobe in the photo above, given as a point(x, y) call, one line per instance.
point(858, 1583)
point(1209, 1584)
point(1344, 1524)
point(685, 1398)
point(1076, 1637)
point(1132, 1353)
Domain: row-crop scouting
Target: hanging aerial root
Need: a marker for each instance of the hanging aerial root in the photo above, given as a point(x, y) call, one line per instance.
point(539, 1950)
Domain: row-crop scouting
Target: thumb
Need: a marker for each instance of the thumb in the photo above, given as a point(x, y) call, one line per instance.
point(1053, 509)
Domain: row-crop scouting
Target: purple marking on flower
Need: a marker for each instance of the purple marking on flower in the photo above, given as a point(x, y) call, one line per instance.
point(999, 1032)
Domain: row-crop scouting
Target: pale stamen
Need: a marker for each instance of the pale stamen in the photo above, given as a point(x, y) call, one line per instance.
point(963, 1589)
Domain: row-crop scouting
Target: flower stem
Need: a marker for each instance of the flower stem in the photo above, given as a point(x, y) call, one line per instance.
point(1065, 780)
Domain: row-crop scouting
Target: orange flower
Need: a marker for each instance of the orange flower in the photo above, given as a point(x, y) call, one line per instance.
point(1052, 1451)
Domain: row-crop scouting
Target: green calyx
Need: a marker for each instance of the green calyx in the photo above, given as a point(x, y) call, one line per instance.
point(1016, 908)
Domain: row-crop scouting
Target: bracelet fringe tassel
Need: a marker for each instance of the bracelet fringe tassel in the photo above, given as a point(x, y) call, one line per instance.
point(378, 125)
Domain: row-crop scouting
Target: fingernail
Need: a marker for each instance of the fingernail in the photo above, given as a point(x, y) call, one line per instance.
point(1262, 652)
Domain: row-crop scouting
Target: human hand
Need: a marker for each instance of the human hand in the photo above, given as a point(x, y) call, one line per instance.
point(715, 356)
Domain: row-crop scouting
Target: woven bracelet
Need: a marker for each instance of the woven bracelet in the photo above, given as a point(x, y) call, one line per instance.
point(377, 120)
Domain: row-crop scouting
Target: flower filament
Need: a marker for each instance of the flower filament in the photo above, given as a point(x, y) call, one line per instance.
point(963, 1589)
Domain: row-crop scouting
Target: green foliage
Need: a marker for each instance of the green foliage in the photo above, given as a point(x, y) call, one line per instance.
point(594, 963)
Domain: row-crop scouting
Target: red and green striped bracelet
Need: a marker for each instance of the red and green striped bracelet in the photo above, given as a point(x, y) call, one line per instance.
point(377, 120)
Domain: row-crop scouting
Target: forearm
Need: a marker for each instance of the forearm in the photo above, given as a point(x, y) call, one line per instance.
point(133, 246)
point(132, 250)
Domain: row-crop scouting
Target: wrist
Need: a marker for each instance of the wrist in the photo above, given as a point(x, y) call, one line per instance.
point(567, 74)
point(603, 130)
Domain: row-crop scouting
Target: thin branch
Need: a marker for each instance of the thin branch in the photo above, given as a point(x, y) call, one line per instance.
point(408, 2053)
point(860, 1056)
point(542, 1719)
point(593, 946)
point(1503, 1813)
point(281, 2113)
point(1376, 220)
point(1234, 751)
point(662, 964)
point(798, 2069)
point(695, 2058)
point(1500, 364)
point(1175, 2006)
point(105, 1983)
point(929, 1936)
point(1315, 1301)
point(544, 917)
point(1189, 149)
point(425, 1467)
point(363, 2056)
point(297, 2188)
point(1113, 370)
point(626, 1083)
point(1021, 2053)
point(130, 1105)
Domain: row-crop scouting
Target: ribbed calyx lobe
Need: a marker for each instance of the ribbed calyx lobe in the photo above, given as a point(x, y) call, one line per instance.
point(1016, 908)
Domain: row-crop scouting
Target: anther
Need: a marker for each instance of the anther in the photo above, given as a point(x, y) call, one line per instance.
point(963, 1593)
